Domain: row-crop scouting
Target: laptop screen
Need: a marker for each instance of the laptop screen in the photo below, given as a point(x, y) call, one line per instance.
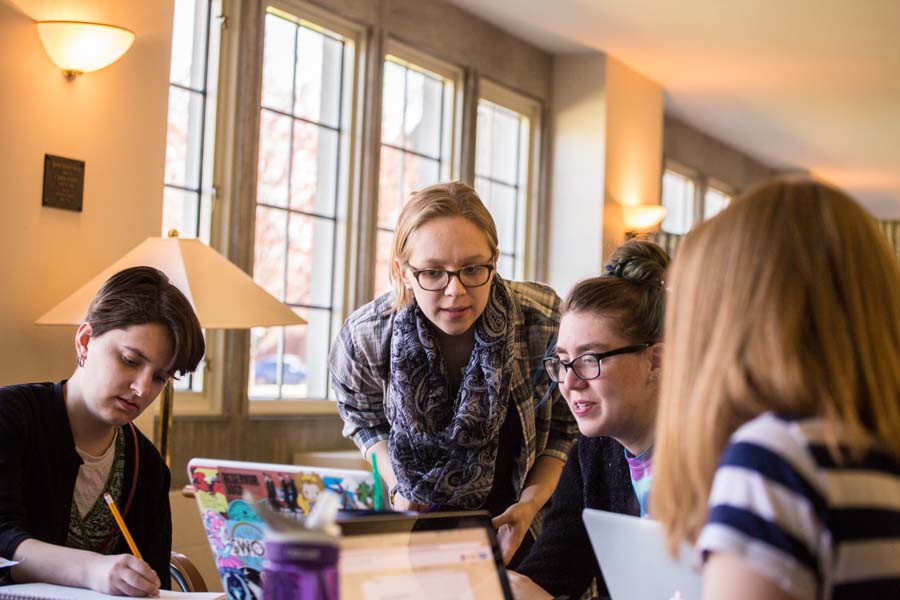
point(440, 557)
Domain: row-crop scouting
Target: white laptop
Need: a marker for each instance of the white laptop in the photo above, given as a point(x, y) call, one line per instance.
point(632, 555)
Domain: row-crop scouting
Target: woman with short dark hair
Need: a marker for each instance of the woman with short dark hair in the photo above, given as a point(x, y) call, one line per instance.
point(63, 445)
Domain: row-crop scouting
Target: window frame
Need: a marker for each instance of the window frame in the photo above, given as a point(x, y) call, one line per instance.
point(208, 401)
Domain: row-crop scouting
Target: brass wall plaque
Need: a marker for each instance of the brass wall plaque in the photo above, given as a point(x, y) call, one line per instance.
point(63, 182)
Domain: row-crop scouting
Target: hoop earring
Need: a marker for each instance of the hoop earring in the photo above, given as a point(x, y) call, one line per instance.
point(80, 360)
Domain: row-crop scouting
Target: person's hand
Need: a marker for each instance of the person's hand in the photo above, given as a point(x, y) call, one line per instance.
point(523, 588)
point(401, 504)
point(122, 575)
point(512, 525)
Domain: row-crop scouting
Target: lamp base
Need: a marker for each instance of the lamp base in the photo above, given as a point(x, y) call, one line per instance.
point(164, 431)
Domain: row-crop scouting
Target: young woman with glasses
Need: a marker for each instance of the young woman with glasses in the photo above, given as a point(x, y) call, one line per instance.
point(441, 379)
point(607, 362)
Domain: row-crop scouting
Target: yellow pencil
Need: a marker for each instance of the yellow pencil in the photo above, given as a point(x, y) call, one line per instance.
point(118, 517)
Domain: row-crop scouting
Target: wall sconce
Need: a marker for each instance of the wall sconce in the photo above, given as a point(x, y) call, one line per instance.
point(79, 47)
point(640, 218)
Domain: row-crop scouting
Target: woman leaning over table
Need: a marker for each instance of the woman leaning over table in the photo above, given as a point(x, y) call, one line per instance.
point(62, 445)
point(441, 379)
point(607, 362)
point(779, 422)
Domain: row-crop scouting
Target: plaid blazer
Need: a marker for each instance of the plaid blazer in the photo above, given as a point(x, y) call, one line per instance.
point(360, 374)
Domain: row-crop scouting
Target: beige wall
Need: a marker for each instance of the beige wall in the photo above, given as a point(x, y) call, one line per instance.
point(115, 121)
point(634, 142)
point(607, 128)
point(578, 121)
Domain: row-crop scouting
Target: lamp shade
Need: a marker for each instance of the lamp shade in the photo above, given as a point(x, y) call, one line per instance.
point(223, 296)
point(79, 47)
point(642, 217)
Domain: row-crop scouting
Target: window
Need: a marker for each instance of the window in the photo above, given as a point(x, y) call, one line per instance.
point(417, 142)
point(190, 130)
point(188, 190)
point(503, 158)
point(301, 186)
point(678, 194)
point(714, 202)
point(685, 207)
point(302, 204)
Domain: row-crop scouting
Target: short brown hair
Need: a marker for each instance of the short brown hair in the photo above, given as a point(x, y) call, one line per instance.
point(142, 295)
point(451, 199)
point(787, 301)
point(632, 291)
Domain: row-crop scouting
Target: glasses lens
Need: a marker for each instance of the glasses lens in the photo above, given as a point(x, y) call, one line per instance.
point(553, 365)
point(432, 279)
point(474, 275)
point(586, 366)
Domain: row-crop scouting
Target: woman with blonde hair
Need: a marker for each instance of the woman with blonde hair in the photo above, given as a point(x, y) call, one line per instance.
point(778, 438)
point(441, 379)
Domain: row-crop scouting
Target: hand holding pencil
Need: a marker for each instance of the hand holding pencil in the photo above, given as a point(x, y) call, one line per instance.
point(125, 574)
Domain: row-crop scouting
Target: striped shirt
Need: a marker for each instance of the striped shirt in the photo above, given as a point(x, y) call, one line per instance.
point(813, 527)
point(360, 374)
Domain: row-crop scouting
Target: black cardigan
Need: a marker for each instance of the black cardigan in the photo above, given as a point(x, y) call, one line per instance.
point(38, 468)
point(595, 476)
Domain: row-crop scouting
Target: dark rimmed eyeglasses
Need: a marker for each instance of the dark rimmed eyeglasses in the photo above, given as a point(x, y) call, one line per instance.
point(585, 366)
point(436, 280)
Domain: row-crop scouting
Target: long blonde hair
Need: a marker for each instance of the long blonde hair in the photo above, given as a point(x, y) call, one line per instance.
point(451, 199)
point(788, 301)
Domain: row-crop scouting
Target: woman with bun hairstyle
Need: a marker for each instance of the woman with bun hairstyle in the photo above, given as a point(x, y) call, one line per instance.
point(607, 362)
point(63, 445)
point(442, 380)
point(779, 425)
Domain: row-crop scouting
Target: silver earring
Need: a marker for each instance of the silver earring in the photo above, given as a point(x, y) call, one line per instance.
point(80, 360)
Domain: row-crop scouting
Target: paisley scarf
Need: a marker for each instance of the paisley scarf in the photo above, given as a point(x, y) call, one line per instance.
point(443, 449)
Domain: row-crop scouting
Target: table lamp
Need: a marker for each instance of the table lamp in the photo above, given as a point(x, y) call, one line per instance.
point(223, 296)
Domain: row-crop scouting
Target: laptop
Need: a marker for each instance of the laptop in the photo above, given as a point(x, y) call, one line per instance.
point(383, 555)
point(438, 556)
point(634, 560)
point(233, 526)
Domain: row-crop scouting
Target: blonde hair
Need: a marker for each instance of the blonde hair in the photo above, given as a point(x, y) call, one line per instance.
point(788, 301)
point(451, 199)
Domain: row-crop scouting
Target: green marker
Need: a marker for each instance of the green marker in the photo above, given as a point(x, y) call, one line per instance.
point(378, 495)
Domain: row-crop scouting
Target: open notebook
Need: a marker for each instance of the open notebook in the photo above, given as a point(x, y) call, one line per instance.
point(48, 591)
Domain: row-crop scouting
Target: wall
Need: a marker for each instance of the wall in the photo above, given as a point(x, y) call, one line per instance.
point(114, 120)
point(634, 142)
point(607, 151)
point(578, 120)
point(689, 147)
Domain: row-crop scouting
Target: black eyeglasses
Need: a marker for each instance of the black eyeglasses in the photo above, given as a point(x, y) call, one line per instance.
point(585, 366)
point(436, 280)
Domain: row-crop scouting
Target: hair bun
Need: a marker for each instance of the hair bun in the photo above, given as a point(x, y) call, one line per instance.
point(638, 261)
